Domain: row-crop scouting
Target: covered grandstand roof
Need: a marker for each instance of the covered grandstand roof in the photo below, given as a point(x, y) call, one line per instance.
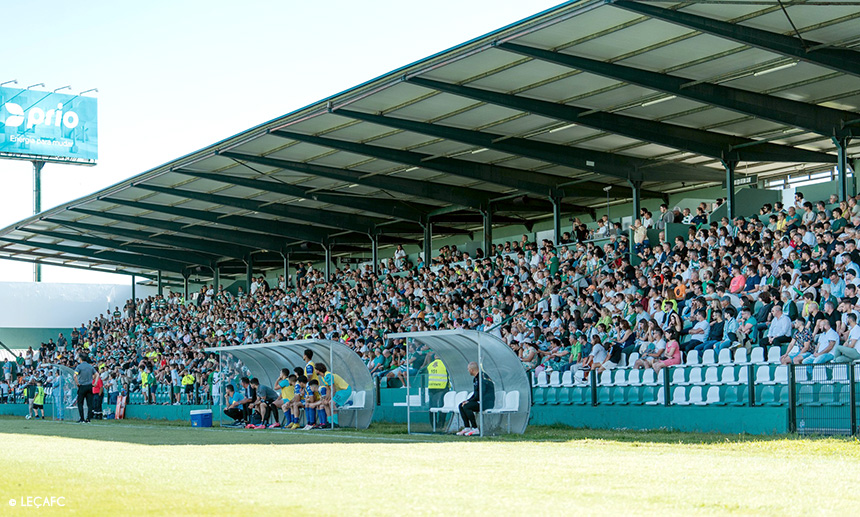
point(555, 107)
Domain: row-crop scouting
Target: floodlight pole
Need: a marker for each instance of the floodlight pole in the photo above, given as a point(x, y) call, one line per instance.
point(37, 207)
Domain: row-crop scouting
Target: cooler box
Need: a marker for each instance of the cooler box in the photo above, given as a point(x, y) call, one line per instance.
point(201, 418)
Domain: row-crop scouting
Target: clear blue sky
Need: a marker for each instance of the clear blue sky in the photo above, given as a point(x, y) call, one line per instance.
point(175, 76)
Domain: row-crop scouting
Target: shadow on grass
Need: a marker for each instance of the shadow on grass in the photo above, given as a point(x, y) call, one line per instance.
point(149, 432)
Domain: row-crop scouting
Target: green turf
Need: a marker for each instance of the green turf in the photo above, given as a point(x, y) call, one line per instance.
point(142, 468)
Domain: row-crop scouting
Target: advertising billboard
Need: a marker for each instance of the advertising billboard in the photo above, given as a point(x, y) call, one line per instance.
point(48, 126)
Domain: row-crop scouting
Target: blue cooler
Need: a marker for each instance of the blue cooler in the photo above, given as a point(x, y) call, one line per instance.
point(201, 418)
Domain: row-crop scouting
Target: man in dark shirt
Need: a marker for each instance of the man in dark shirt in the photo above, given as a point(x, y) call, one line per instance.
point(266, 397)
point(84, 373)
point(483, 397)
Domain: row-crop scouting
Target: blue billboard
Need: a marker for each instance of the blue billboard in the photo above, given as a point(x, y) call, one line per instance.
point(48, 126)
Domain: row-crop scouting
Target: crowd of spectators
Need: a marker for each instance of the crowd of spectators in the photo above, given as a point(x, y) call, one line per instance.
point(788, 277)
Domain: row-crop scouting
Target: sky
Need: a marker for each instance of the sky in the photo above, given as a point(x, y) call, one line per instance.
point(176, 76)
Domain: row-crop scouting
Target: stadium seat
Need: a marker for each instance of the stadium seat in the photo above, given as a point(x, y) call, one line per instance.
point(695, 376)
point(620, 378)
point(713, 397)
point(757, 356)
point(725, 357)
point(634, 377)
point(539, 396)
point(773, 354)
point(648, 377)
point(679, 396)
point(695, 396)
point(632, 359)
point(780, 396)
point(619, 395)
point(780, 376)
point(840, 373)
point(604, 395)
point(801, 374)
point(819, 373)
point(567, 379)
point(555, 379)
point(741, 356)
point(634, 395)
point(605, 378)
point(727, 376)
point(542, 379)
point(692, 358)
point(553, 396)
point(679, 377)
point(357, 400)
point(708, 357)
point(660, 399)
point(841, 395)
point(742, 396)
point(743, 376)
point(510, 406)
point(762, 374)
point(712, 377)
point(580, 395)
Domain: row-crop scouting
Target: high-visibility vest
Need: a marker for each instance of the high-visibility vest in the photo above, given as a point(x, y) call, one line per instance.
point(40, 396)
point(437, 376)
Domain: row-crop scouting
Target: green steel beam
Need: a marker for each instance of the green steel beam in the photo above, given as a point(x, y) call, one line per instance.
point(817, 119)
point(705, 143)
point(842, 60)
point(522, 180)
point(339, 220)
point(188, 257)
point(126, 259)
point(256, 241)
point(276, 228)
point(220, 249)
point(461, 196)
point(405, 211)
point(610, 164)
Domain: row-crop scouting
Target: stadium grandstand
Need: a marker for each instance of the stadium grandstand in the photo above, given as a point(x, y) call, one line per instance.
point(651, 203)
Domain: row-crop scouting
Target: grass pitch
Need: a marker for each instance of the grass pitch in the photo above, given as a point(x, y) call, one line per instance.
point(141, 468)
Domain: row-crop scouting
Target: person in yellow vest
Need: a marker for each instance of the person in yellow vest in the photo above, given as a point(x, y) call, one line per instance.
point(437, 386)
point(188, 387)
point(147, 385)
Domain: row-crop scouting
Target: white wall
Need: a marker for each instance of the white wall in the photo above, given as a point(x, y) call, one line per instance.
point(49, 305)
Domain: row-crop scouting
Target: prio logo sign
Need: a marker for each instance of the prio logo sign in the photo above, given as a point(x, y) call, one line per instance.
point(38, 116)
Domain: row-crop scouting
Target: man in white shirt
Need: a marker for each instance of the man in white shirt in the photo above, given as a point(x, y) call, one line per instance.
point(698, 333)
point(827, 341)
point(848, 352)
point(779, 332)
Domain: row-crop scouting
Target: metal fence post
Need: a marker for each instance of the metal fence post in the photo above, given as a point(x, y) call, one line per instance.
point(593, 388)
point(379, 391)
point(751, 383)
point(852, 396)
point(667, 392)
point(792, 399)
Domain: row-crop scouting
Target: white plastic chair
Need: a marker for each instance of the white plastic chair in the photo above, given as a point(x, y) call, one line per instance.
point(510, 406)
point(840, 375)
point(355, 402)
point(728, 376)
point(661, 398)
point(678, 377)
point(555, 379)
point(621, 377)
point(725, 357)
point(762, 374)
point(679, 396)
point(634, 377)
point(708, 357)
point(819, 375)
point(743, 377)
point(605, 378)
point(695, 396)
point(543, 380)
point(692, 358)
point(633, 358)
point(773, 354)
point(695, 376)
point(757, 356)
point(741, 356)
point(713, 397)
point(780, 376)
point(712, 376)
point(648, 377)
point(567, 379)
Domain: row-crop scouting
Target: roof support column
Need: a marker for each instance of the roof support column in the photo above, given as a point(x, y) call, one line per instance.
point(730, 165)
point(249, 273)
point(374, 252)
point(160, 284)
point(556, 219)
point(216, 277)
point(428, 241)
point(487, 215)
point(636, 186)
point(841, 144)
point(185, 275)
point(286, 257)
point(327, 247)
point(133, 294)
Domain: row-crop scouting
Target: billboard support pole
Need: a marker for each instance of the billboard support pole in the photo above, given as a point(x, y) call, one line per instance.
point(37, 206)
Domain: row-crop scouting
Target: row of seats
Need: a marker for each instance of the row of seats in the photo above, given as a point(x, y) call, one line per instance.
point(725, 357)
point(813, 395)
point(703, 375)
point(506, 403)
